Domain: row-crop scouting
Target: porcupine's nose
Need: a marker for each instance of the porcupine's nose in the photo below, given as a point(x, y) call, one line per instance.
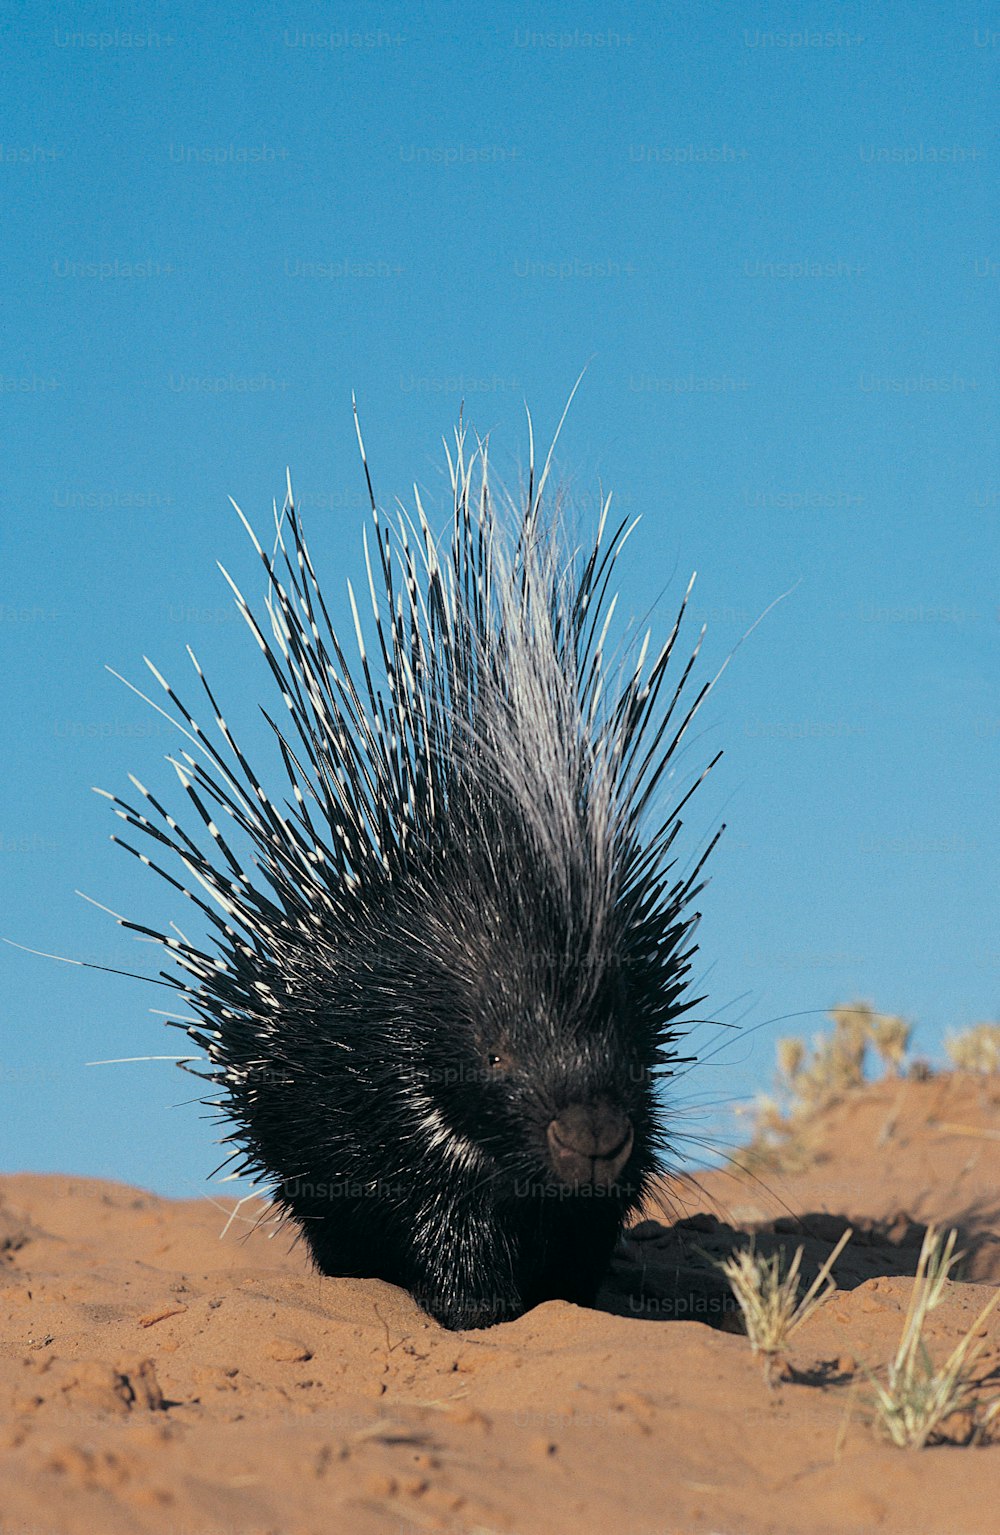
point(589, 1143)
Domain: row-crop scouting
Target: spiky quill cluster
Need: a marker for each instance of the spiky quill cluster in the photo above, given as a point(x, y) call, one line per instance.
point(435, 1003)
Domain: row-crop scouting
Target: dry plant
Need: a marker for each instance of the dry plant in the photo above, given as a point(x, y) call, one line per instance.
point(976, 1049)
point(890, 1034)
point(768, 1296)
point(778, 1142)
point(810, 1080)
point(914, 1402)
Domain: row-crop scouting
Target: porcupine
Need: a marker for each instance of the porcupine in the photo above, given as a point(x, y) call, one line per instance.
point(436, 1005)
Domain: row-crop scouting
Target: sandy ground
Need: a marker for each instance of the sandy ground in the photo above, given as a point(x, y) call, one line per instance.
point(166, 1369)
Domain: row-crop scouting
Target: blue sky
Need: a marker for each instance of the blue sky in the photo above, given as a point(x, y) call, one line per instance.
point(767, 230)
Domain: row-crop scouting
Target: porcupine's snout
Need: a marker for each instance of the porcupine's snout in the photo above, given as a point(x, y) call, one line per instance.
point(589, 1144)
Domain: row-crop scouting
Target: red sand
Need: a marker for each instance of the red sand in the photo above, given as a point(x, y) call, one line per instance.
point(158, 1376)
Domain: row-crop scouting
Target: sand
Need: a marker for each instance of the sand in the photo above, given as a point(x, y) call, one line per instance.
point(167, 1368)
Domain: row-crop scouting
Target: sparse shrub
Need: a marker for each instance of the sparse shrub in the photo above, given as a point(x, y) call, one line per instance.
point(791, 1054)
point(890, 1034)
point(810, 1080)
point(836, 1064)
point(976, 1049)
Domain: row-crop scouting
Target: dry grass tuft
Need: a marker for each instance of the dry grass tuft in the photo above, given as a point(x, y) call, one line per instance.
point(916, 1400)
point(768, 1296)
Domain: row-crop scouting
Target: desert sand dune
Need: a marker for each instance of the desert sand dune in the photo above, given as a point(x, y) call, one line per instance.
point(166, 1369)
